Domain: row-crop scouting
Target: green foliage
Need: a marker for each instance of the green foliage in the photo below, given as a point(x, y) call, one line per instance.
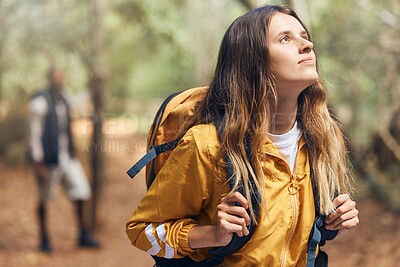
point(151, 57)
point(153, 48)
point(157, 54)
point(358, 46)
point(157, 47)
point(348, 39)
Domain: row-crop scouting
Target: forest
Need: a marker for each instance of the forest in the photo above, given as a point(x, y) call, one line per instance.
point(122, 58)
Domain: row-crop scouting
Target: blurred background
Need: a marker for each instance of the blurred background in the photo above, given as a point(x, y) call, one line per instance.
point(123, 57)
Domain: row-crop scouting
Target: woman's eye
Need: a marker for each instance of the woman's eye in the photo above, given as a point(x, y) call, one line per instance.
point(285, 39)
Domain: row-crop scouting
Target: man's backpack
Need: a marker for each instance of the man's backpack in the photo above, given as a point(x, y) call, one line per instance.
point(175, 111)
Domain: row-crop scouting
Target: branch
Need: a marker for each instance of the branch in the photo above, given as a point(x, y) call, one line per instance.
point(385, 15)
point(360, 166)
point(390, 142)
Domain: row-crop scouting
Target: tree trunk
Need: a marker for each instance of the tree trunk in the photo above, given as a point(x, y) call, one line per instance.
point(205, 34)
point(301, 8)
point(97, 82)
point(3, 36)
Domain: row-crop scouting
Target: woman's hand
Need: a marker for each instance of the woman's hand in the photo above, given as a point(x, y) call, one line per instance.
point(231, 218)
point(345, 217)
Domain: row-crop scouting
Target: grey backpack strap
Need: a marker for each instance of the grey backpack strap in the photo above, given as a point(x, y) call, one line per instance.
point(314, 240)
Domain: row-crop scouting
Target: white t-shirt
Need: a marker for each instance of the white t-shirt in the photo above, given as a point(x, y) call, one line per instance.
point(287, 144)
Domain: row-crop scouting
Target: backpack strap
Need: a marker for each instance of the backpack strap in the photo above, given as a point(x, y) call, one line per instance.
point(177, 103)
point(218, 254)
point(159, 116)
point(150, 155)
point(319, 234)
point(313, 241)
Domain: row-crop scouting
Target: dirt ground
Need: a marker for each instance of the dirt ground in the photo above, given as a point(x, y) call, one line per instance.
point(375, 243)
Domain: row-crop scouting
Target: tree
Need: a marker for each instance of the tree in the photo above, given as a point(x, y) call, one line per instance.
point(96, 66)
point(6, 21)
point(359, 54)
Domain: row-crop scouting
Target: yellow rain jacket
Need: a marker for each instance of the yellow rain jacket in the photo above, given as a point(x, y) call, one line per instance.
point(189, 187)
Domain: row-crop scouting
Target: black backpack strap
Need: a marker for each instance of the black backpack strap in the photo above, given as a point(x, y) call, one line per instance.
point(155, 125)
point(218, 254)
point(214, 260)
point(182, 262)
point(150, 155)
point(154, 151)
point(313, 241)
point(157, 118)
point(321, 260)
point(319, 234)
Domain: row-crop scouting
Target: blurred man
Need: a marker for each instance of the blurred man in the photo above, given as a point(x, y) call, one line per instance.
point(53, 156)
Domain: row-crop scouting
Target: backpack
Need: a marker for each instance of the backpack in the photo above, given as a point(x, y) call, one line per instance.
point(174, 111)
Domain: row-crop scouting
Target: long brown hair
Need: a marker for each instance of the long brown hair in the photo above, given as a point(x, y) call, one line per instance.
point(238, 104)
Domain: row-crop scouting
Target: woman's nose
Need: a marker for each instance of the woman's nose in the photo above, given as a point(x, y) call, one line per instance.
point(306, 46)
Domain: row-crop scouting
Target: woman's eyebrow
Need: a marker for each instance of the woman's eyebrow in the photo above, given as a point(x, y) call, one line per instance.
point(285, 32)
point(289, 32)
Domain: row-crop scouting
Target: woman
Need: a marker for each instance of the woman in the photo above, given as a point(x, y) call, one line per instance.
point(266, 101)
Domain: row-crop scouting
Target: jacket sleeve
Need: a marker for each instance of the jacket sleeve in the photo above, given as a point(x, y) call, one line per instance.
point(161, 222)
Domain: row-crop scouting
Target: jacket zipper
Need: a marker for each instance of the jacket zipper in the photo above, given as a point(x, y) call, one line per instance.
point(293, 189)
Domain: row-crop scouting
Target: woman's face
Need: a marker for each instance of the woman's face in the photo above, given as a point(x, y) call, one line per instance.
point(291, 55)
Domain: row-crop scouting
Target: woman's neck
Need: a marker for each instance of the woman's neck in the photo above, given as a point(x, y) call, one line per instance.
point(284, 117)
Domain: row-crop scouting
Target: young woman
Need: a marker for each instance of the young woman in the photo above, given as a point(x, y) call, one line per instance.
point(265, 100)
